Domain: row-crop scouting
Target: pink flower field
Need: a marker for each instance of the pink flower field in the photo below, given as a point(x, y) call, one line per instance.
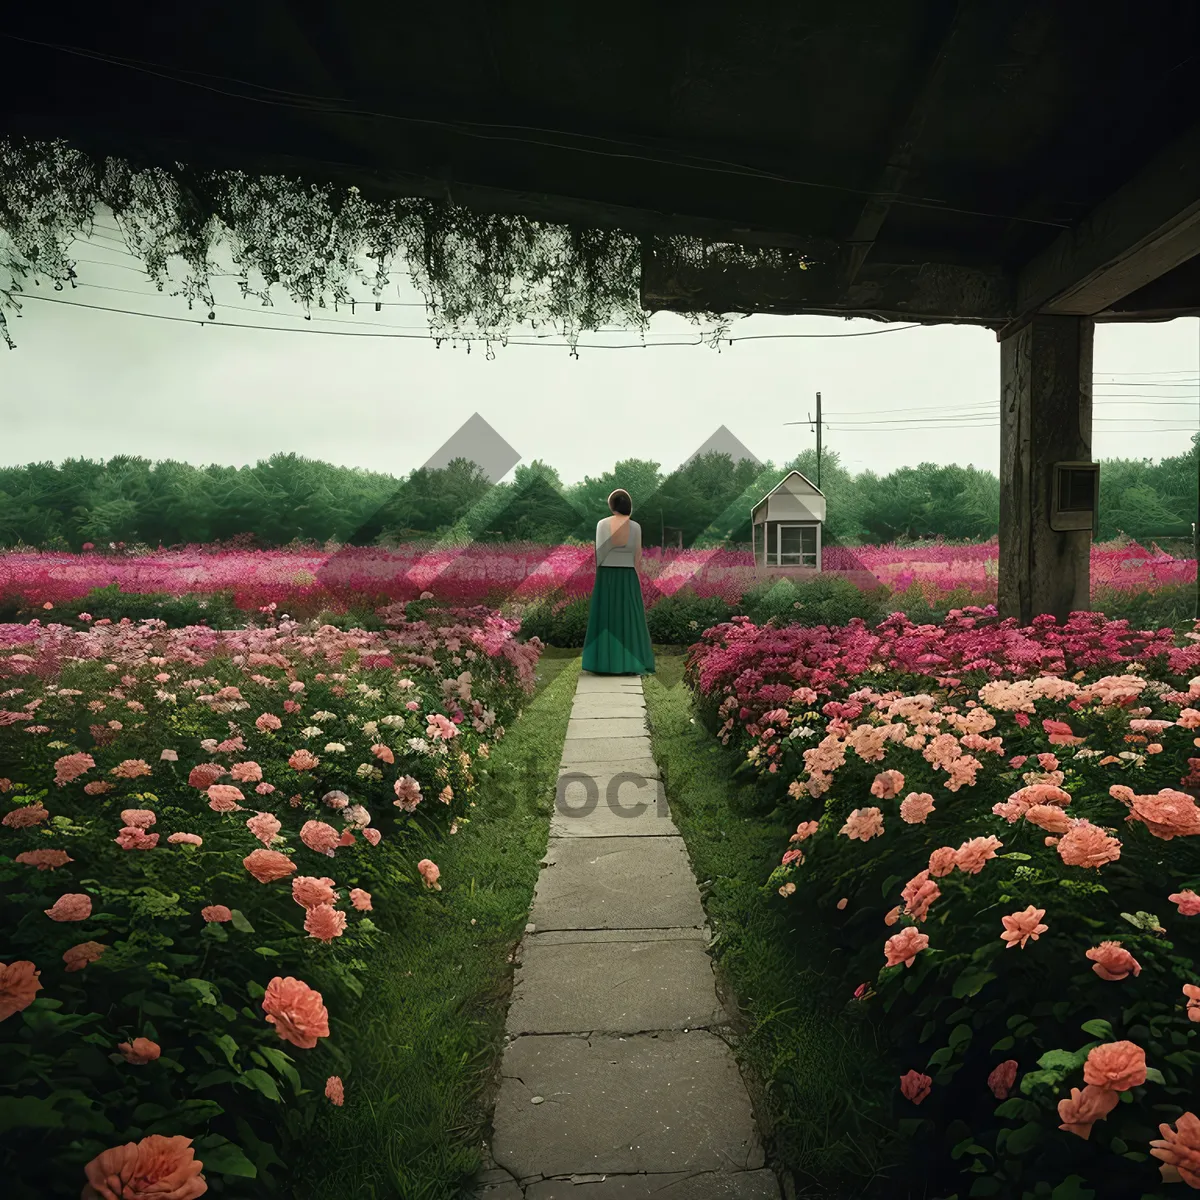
point(303, 582)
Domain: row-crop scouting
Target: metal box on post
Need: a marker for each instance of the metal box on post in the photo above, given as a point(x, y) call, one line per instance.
point(1074, 496)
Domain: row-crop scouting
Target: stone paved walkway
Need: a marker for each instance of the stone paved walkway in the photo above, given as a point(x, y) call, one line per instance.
point(614, 1081)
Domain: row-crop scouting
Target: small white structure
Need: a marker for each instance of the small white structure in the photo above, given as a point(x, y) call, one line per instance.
point(785, 525)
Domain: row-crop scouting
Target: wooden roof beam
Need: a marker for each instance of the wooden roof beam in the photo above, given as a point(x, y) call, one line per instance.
point(1143, 230)
point(898, 163)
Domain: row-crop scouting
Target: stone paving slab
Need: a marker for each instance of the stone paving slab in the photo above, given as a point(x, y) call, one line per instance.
point(616, 883)
point(635, 808)
point(609, 704)
point(735, 1185)
point(613, 986)
point(605, 727)
point(606, 749)
point(643, 766)
point(668, 1103)
point(607, 683)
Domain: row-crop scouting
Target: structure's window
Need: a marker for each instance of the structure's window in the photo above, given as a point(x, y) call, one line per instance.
point(796, 546)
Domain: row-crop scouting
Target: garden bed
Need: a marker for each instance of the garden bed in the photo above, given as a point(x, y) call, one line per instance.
point(198, 827)
point(999, 827)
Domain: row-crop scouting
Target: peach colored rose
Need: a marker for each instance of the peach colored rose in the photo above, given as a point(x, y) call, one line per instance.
point(887, 784)
point(804, 831)
point(216, 914)
point(19, 984)
point(919, 893)
point(360, 899)
point(318, 836)
point(373, 836)
point(140, 1051)
point(310, 892)
point(78, 957)
point(1179, 1151)
point(971, 855)
point(26, 816)
point(430, 873)
point(1169, 814)
point(268, 865)
point(267, 723)
point(324, 922)
point(1113, 962)
point(134, 838)
point(74, 906)
point(44, 860)
point(903, 947)
point(1002, 1078)
point(204, 775)
point(98, 787)
point(139, 818)
point(131, 768)
point(156, 1168)
point(1192, 992)
point(1188, 903)
point(1020, 927)
point(914, 1086)
point(224, 797)
point(246, 772)
point(1049, 818)
point(383, 753)
point(1082, 1109)
point(941, 861)
point(916, 807)
point(863, 824)
point(297, 1011)
point(1117, 1066)
point(1087, 845)
point(893, 916)
point(303, 760)
point(334, 1090)
point(185, 839)
point(264, 826)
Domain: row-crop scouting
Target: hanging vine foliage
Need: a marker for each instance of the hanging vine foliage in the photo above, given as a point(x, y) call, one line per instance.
point(480, 274)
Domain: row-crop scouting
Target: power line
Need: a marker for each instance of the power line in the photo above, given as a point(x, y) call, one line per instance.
point(430, 337)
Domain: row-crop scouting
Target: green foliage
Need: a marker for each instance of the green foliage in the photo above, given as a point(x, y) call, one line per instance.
point(215, 609)
point(822, 600)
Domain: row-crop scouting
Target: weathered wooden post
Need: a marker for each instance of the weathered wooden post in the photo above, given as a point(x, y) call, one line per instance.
point(1046, 419)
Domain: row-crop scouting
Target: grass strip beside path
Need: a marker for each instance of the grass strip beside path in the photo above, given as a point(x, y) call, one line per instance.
point(810, 1056)
point(432, 1017)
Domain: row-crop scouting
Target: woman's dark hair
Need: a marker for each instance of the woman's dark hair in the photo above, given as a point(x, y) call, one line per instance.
point(620, 502)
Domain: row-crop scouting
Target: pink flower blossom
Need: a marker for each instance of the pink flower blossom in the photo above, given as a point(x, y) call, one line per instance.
point(303, 760)
point(186, 839)
point(78, 957)
point(73, 906)
point(310, 891)
point(360, 899)
point(804, 831)
point(408, 793)
point(887, 785)
point(863, 824)
point(318, 836)
point(246, 772)
point(1087, 845)
point(893, 915)
point(71, 766)
point(216, 914)
point(1049, 818)
point(224, 797)
point(1167, 815)
point(268, 723)
point(19, 984)
point(204, 775)
point(1113, 962)
point(140, 1051)
point(131, 768)
point(296, 1010)
point(334, 1090)
point(903, 947)
point(1002, 1078)
point(1192, 994)
point(373, 836)
point(44, 860)
point(324, 922)
point(383, 753)
point(135, 838)
point(1020, 927)
point(1179, 1151)
point(1188, 903)
point(942, 861)
point(916, 807)
point(430, 873)
point(919, 893)
point(26, 816)
point(972, 854)
point(268, 865)
point(915, 1087)
point(264, 826)
point(139, 818)
point(1115, 1066)
point(1082, 1109)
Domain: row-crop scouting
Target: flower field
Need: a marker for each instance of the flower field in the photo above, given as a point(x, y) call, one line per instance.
point(306, 582)
point(1000, 827)
point(197, 827)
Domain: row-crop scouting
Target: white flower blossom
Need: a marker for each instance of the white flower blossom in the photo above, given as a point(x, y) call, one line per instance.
point(311, 731)
point(420, 745)
point(334, 748)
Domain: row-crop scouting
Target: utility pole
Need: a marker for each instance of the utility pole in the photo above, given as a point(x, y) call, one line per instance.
point(818, 441)
point(1196, 448)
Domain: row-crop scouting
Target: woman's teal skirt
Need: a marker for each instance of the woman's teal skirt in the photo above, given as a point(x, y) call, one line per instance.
point(617, 640)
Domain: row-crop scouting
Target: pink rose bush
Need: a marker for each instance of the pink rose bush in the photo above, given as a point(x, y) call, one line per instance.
point(975, 788)
point(142, 885)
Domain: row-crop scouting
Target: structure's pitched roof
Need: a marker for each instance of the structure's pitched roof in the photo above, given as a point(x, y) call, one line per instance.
point(816, 490)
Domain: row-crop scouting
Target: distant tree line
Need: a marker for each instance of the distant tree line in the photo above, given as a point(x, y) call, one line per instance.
point(704, 503)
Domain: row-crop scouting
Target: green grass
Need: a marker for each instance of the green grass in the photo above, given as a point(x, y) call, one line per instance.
point(810, 1056)
point(432, 1017)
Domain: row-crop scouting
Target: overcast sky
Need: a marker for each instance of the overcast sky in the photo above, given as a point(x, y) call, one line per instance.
point(96, 384)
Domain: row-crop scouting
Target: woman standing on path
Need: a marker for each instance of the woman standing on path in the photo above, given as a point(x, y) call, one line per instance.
point(617, 640)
